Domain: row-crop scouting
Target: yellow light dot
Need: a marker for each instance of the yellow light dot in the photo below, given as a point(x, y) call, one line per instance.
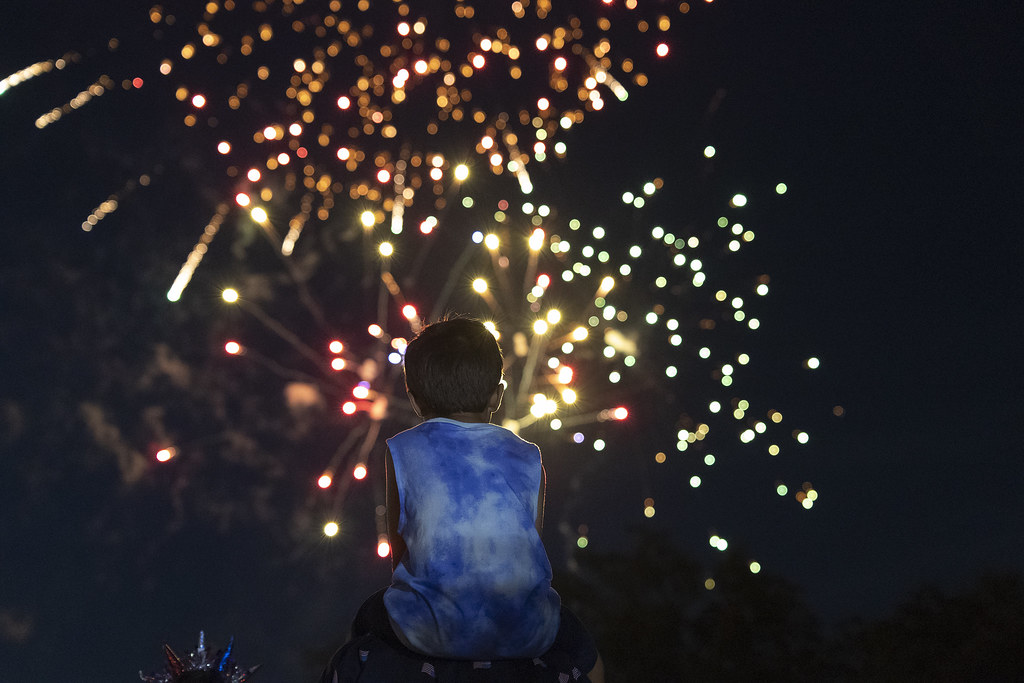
point(579, 334)
point(738, 200)
point(230, 295)
point(536, 240)
point(755, 567)
point(386, 249)
point(540, 326)
point(491, 241)
point(461, 172)
point(165, 454)
point(367, 219)
point(568, 396)
point(259, 214)
point(554, 315)
point(331, 529)
point(479, 285)
point(709, 584)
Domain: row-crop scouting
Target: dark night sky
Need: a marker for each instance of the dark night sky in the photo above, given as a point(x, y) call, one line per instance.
point(895, 257)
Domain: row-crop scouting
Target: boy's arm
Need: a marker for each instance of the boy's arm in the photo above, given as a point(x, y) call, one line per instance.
point(394, 506)
point(540, 502)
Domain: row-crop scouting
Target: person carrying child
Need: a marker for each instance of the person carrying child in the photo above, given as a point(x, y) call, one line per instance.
point(465, 510)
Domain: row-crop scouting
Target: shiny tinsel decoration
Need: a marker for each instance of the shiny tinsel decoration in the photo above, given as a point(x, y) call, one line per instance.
point(200, 667)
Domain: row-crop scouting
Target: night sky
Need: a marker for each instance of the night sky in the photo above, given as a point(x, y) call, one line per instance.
point(894, 257)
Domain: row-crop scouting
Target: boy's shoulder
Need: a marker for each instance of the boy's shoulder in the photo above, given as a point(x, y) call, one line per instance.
point(447, 423)
point(482, 430)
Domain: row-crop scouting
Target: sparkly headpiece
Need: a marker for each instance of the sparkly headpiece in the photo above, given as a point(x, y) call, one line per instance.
point(219, 668)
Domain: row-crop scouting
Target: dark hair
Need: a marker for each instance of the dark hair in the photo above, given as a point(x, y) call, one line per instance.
point(211, 676)
point(453, 366)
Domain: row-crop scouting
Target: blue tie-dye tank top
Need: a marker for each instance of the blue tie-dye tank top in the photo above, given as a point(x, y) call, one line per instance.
point(475, 582)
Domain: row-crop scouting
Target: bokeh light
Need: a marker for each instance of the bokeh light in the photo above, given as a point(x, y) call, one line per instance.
point(391, 167)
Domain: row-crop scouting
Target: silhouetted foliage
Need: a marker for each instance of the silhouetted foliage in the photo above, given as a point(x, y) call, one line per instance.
point(976, 635)
point(639, 607)
point(654, 620)
point(755, 627)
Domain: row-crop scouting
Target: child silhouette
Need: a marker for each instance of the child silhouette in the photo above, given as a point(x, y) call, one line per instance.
point(465, 509)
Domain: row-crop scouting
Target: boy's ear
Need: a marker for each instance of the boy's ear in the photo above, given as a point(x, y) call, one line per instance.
point(495, 401)
point(415, 406)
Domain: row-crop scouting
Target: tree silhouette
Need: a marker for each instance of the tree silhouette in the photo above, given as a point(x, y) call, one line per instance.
point(654, 618)
point(975, 635)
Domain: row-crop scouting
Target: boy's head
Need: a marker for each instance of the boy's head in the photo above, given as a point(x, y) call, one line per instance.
point(453, 366)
